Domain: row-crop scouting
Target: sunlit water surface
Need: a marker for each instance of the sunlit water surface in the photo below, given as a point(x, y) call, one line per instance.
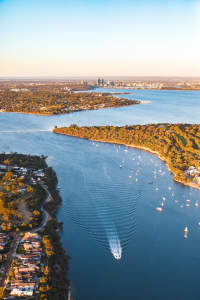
point(110, 212)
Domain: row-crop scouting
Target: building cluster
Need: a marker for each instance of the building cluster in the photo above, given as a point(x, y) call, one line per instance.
point(22, 172)
point(25, 271)
point(148, 84)
point(3, 242)
point(129, 84)
point(194, 173)
point(20, 90)
point(83, 82)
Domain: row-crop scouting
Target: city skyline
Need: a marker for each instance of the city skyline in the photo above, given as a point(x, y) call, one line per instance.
point(107, 38)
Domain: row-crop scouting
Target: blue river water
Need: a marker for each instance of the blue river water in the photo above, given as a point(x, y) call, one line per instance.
point(108, 209)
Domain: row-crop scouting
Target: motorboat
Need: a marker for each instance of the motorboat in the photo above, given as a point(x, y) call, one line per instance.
point(116, 256)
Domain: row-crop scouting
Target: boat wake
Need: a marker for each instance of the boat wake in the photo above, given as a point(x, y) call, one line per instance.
point(106, 208)
point(114, 243)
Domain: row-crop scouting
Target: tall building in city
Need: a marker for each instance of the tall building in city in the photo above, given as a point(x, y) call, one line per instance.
point(83, 82)
point(100, 82)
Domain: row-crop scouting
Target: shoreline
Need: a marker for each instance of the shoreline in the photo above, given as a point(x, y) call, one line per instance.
point(28, 113)
point(190, 184)
point(69, 112)
point(153, 89)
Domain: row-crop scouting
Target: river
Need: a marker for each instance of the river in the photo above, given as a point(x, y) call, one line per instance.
point(107, 208)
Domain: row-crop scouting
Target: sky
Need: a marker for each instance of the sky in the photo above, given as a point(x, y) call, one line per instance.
point(100, 38)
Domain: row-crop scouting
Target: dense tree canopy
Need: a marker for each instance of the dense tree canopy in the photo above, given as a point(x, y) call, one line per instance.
point(178, 144)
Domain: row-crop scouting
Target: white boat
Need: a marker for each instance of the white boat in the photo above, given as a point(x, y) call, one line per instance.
point(115, 245)
point(116, 256)
point(186, 230)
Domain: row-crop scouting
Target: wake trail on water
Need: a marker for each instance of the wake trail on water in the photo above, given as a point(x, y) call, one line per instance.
point(113, 238)
point(103, 206)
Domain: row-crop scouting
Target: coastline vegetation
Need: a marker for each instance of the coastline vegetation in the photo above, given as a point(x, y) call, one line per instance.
point(50, 102)
point(177, 144)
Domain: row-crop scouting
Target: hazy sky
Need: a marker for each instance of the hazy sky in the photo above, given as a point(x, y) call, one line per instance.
point(99, 38)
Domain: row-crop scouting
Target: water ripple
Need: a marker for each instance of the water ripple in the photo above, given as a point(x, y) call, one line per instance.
point(101, 211)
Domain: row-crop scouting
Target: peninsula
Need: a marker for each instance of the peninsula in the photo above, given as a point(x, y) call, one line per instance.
point(177, 144)
point(49, 101)
point(33, 263)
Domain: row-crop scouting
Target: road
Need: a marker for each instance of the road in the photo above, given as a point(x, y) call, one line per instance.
point(46, 216)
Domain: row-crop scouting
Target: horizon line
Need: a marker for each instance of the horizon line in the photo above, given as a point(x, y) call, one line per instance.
point(93, 76)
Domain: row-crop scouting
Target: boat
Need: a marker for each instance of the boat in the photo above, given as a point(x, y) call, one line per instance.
point(115, 247)
point(186, 230)
point(116, 256)
point(159, 209)
point(150, 182)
